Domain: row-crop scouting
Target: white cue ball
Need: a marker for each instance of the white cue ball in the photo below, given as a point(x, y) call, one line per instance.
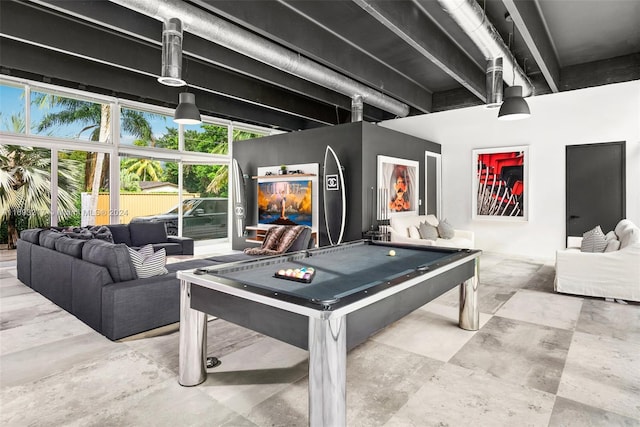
point(392, 253)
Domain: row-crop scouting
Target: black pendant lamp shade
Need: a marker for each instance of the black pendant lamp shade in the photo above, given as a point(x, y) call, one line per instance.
point(514, 106)
point(187, 113)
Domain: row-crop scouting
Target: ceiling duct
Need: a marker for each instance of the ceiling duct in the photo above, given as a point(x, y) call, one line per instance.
point(212, 28)
point(171, 74)
point(471, 18)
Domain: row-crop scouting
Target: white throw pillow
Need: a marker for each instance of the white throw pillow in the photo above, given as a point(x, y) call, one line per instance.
point(630, 236)
point(414, 233)
point(611, 236)
point(148, 263)
point(593, 241)
point(612, 245)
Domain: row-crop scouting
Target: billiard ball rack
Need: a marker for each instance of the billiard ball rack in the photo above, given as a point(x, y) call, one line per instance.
point(302, 275)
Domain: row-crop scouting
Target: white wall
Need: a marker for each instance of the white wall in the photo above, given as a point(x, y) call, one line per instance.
point(601, 114)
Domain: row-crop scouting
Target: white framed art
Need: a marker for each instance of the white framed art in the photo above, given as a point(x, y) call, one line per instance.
point(398, 186)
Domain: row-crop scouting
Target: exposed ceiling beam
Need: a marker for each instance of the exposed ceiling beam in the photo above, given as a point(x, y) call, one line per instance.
point(320, 44)
point(121, 21)
point(408, 22)
point(527, 18)
point(29, 61)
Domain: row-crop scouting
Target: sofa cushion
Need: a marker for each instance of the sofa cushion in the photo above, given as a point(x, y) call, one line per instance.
point(48, 238)
point(414, 233)
point(630, 236)
point(445, 230)
point(70, 246)
point(593, 241)
point(302, 242)
point(114, 256)
point(120, 233)
point(148, 263)
point(31, 235)
point(612, 245)
point(143, 233)
point(428, 231)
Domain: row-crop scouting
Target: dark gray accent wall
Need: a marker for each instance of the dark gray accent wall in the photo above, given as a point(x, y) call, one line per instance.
point(357, 145)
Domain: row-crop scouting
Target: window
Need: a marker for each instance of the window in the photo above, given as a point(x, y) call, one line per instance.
point(144, 129)
point(12, 109)
point(71, 118)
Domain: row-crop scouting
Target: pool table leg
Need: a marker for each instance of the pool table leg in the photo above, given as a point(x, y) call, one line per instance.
point(193, 340)
point(327, 372)
point(469, 314)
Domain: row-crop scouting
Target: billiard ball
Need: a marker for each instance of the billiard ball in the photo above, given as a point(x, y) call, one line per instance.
point(282, 272)
point(392, 253)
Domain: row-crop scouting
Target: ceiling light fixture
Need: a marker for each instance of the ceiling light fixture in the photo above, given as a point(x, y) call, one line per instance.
point(187, 113)
point(171, 74)
point(514, 106)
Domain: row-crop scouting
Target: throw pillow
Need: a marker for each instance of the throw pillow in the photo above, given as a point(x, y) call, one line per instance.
point(612, 245)
point(428, 231)
point(445, 230)
point(593, 241)
point(610, 236)
point(414, 233)
point(148, 263)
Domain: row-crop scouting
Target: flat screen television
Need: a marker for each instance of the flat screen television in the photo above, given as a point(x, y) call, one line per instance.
point(284, 202)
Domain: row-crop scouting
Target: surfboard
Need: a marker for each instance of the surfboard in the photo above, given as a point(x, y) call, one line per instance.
point(335, 203)
point(239, 201)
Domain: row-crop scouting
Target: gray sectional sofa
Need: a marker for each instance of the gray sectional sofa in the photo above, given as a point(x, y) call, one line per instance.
point(95, 280)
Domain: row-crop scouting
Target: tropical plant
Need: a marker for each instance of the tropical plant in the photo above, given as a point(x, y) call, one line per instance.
point(25, 187)
point(96, 120)
point(129, 182)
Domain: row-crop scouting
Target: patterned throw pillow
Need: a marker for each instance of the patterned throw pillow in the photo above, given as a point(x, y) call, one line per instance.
point(593, 241)
point(428, 231)
point(445, 230)
point(148, 263)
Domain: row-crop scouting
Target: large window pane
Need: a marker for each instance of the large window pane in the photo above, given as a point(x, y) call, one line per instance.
point(206, 138)
point(144, 129)
point(85, 176)
point(240, 134)
point(12, 109)
point(147, 193)
point(66, 117)
point(206, 217)
point(25, 190)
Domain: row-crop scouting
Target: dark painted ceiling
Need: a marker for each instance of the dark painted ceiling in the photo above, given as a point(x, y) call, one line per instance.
point(411, 51)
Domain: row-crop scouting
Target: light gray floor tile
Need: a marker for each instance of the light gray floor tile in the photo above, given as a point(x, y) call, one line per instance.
point(254, 373)
point(567, 413)
point(50, 328)
point(431, 331)
point(26, 366)
point(517, 352)
point(610, 319)
point(557, 311)
point(603, 372)
point(457, 396)
point(542, 280)
point(165, 404)
point(80, 390)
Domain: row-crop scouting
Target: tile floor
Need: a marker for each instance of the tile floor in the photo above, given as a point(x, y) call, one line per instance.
point(539, 359)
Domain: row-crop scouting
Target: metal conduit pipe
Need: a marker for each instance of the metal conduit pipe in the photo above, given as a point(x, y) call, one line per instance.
point(212, 28)
point(471, 18)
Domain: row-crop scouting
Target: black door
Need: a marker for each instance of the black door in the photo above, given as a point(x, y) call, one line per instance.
point(595, 186)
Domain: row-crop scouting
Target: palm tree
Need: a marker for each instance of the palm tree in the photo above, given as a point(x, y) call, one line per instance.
point(25, 187)
point(96, 119)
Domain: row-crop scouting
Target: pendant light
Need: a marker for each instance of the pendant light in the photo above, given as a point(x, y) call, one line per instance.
point(187, 113)
point(514, 106)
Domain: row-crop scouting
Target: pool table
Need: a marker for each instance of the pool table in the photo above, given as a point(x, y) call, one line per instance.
point(350, 292)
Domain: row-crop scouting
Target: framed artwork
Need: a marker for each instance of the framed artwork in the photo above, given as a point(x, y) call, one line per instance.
point(501, 183)
point(397, 187)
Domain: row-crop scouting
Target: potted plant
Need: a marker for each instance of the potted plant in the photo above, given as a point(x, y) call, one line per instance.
point(283, 170)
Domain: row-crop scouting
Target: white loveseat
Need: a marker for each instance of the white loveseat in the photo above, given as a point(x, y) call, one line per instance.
point(614, 274)
point(400, 229)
